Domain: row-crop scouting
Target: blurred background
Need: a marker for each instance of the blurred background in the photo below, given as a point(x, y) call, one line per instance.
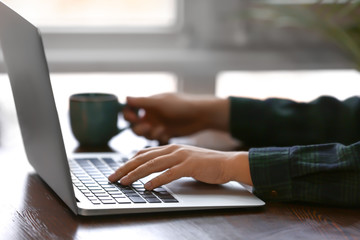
point(297, 49)
point(195, 41)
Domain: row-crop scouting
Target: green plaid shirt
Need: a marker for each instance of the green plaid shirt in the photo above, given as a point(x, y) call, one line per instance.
point(305, 152)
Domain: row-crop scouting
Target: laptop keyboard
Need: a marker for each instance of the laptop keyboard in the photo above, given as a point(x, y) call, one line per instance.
point(90, 176)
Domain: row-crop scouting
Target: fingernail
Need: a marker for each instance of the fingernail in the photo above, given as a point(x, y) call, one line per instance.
point(124, 180)
point(148, 185)
point(111, 177)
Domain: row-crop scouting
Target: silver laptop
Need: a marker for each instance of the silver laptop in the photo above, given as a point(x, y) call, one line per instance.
point(80, 180)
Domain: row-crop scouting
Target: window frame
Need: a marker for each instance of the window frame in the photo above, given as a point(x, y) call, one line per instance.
point(89, 38)
point(195, 49)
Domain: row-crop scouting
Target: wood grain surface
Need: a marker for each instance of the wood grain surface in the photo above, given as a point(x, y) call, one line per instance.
point(30, 210)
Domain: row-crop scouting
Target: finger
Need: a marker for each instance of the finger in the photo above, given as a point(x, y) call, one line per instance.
point(157, 132)
point(140, 158)
point(141, 102)
point(145, 150)
point(142, 129)
point(128, 167)
point(163, 140)
point(147, 154)
point(157, 164)
point(166, 177)
point(130, 115)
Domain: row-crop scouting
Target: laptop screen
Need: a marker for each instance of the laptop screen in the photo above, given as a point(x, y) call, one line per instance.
point(27, 68)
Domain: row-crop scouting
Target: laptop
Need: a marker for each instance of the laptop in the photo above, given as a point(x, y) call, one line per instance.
point(80, 179)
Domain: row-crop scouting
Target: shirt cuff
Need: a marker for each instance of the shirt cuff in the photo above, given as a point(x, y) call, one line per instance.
point(243, 117)
point(270, 173)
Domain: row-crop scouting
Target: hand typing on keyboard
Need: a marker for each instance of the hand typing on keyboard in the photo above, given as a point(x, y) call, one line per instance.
point(178, 161)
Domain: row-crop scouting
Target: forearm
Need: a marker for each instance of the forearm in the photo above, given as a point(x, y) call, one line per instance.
point(326, 174)
point(280, 122)
point(214, 113)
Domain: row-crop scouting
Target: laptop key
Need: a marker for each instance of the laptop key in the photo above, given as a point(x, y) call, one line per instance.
point(102, 195)
point(109, 191)
point(105, 198)
point(122, 200)
point(90, 184)
point(100, 192)
point(170, 200)
point(132, 195)
point(163, 195)
point(95, 200)
point(112, 201)
point(152, 200)
point(95, 188)
point(117, 194)
point(159, 189)
point(137, 200)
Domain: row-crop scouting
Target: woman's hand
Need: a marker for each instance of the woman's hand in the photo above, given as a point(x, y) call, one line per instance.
point(173, 115)
point(178, 161)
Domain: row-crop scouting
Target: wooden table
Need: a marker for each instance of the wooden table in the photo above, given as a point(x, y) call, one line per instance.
point(30, 210)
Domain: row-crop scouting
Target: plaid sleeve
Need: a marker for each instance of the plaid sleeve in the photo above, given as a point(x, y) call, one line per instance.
point(282, 122)
point(326, 173)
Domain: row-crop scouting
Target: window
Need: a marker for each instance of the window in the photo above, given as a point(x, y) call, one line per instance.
point(191, 39)
point(303, 86)
point(97, 13)
point(90, 26)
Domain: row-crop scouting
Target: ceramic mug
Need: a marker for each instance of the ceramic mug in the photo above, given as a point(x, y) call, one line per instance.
point(94, 118)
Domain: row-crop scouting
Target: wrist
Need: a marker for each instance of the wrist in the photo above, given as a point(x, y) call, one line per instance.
point(215, 114)
point(239, 168)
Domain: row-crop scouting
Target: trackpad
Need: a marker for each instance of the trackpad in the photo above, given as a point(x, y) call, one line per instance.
point(187, 188)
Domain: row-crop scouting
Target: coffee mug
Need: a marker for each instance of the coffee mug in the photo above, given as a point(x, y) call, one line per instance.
point(94, 118)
